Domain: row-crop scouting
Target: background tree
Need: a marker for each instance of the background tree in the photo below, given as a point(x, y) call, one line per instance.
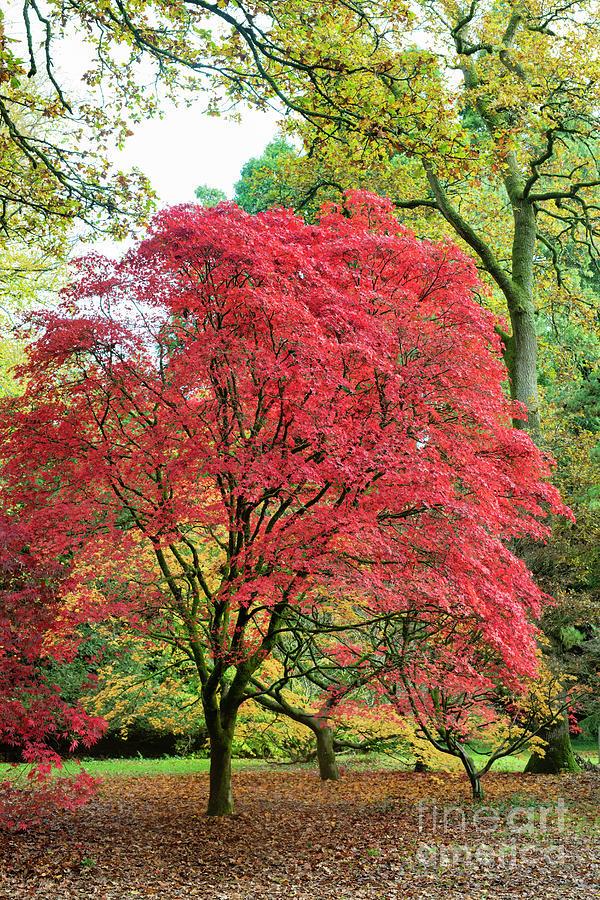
point(54, 156)
point(208, 196)
point(264, 182)
point(460, 695)
point(267, 181)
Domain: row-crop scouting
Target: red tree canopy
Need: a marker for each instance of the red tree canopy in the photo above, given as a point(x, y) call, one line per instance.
point(249, 413)
point(35, 631)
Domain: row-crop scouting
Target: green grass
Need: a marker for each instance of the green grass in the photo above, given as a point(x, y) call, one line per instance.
point(110, 768)
point(515, 763)
point(366, 762)
point(128, 768)
point(174, 765)
point(585, 745)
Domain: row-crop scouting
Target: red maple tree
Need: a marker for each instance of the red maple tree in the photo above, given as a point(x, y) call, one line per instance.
point(249, 418)
point(35, 632)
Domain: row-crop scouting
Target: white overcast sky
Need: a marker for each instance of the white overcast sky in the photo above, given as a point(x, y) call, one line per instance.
point(179, 151)
point(182, 149)
point(187, 148)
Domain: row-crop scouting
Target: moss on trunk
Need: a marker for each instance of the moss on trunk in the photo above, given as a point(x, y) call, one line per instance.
point(558, 756)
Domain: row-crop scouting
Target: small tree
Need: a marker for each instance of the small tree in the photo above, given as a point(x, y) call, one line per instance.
point(35, 632)
point(262, 183)
point(468, 706)
point(463, 698)
point(248, 420)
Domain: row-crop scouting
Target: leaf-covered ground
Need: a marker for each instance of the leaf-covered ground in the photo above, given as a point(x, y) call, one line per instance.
point(370, 836)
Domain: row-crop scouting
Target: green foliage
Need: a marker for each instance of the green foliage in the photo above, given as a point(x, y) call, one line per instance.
point(30, 276)
point(571, 637)
point(262, 735)
point(267, 180)
point(209, 196)
point(590, 725)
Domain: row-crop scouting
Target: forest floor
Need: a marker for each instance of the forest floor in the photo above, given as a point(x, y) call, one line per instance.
point(384, 835)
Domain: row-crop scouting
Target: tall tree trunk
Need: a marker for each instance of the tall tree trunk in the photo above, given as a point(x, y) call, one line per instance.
point(558, 756)
point(522, 350)
point(220, 797)
point(220, 724)
point(516, 284)
point(328, 767)
point(521, 360)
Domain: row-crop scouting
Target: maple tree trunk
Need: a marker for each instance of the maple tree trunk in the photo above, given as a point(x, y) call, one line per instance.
point(473, 774)
point(220, 797)
point(328, 767)
point(476, 786)
point(324, 736)
point(475, 781)
point(558, 756)
point(220, 725)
